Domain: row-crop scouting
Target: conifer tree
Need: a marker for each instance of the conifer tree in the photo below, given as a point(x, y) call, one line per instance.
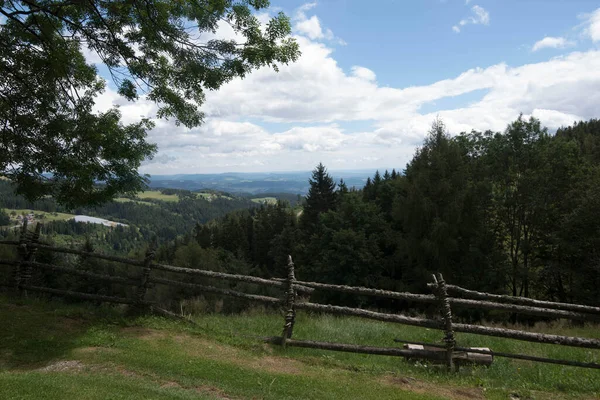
point(321, 196)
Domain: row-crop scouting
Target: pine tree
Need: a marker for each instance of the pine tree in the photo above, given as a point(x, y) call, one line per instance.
point(321, 196)
point(377, 178)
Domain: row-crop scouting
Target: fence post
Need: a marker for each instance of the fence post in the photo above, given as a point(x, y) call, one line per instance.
point(31, 238)
point(290, 298)
point(145, 277)
point(441, 293)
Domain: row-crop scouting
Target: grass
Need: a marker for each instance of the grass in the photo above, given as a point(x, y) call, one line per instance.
point(268, 200)
point(157, 195)
point(83, 352)
point(127, 200)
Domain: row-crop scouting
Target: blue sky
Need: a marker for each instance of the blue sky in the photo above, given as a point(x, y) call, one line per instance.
point(412, 42)
point(374, 75)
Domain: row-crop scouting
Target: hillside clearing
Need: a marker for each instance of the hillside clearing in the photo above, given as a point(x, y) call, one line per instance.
point(157, 195)
point(127, 200)
point(268, 200)
point(76, 351)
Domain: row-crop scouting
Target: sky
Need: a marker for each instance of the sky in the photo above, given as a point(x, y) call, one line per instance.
point(373, 76)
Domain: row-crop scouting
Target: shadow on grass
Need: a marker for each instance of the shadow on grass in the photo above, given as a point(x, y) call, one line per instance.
point(33, 332)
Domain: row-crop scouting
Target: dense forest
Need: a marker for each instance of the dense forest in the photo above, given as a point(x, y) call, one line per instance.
point(515, 212)
point(512, 212)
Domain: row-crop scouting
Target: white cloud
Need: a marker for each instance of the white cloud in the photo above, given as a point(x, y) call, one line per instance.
point(311, 26)
point(593, 29)
point(304, 114)
point(552, 42)
point(363, 73)
point(479, 17)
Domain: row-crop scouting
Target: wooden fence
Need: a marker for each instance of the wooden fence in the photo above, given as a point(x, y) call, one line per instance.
point(448, 353)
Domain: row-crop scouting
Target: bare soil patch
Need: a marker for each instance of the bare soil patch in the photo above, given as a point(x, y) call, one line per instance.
point(64, 366)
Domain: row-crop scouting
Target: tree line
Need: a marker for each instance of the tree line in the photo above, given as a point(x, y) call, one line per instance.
point(514, 212)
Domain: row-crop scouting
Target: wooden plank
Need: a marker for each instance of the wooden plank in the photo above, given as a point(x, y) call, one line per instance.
point(458, 357)
point(477, 350)
point(353, 348)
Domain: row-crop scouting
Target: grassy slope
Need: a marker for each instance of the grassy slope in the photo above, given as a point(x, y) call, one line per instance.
point(95, 353)
point(157, 195)
point(269, 200)
point(126, 200)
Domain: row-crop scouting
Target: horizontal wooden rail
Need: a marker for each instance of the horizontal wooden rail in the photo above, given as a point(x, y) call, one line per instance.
point(10, 242)
point(522, 300)
point(476, 329)
point(358, 312)
point(218, 275)
point(86, 274)
point(526, 310)
point(509, 355)
point(212, 289)
point(353, 348)
point(424, 298)
point(528, 336)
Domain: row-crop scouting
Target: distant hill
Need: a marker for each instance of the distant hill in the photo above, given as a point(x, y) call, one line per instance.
point(254, 182)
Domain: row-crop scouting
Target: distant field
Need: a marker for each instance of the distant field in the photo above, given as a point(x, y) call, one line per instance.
point(47, 216)
point(268, 200)
point(126, 200)
point(157, 195)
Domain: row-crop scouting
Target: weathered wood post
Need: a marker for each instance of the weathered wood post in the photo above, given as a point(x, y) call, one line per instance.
point(145, 277)
point(29, 256)
point(441, 293)
point(290, 298)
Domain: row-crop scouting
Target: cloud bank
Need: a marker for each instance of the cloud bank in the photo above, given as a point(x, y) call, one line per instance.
point(307, 112)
